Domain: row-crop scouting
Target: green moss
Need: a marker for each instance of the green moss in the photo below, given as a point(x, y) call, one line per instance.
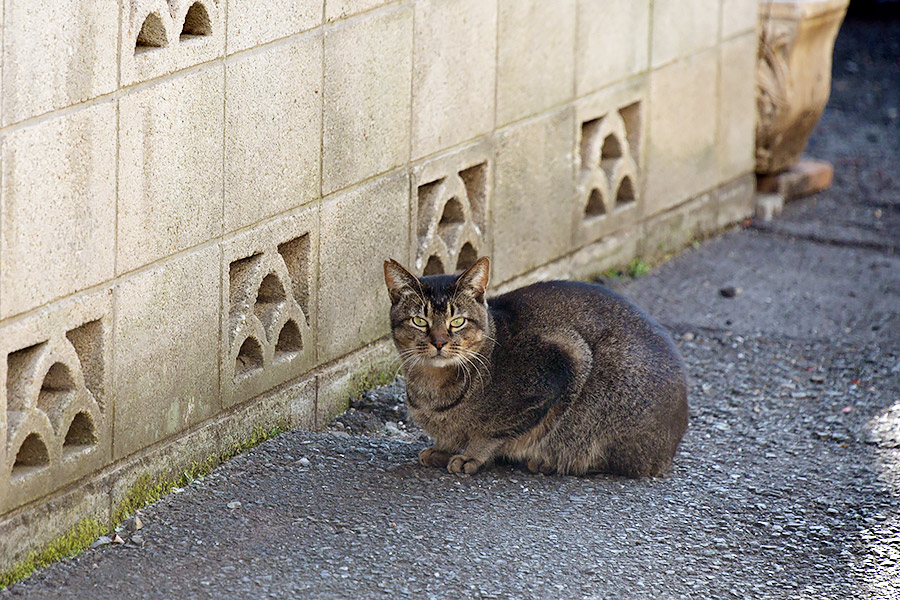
point(148, 489)
point(638, 268)
point(71, 543)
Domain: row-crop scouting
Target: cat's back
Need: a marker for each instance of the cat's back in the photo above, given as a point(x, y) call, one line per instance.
point(584, 306)
point(619, 334)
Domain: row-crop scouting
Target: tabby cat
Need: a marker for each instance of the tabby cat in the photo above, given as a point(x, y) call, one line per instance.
point(563, 377)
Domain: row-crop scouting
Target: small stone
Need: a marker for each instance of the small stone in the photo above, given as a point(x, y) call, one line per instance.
point(729, 291)
point(233, 504)
point(137, 539)
point(303, 462)
point(138, 524)
point(117, 539)
point(688, 337)
point(103, 540)
point(817, 378)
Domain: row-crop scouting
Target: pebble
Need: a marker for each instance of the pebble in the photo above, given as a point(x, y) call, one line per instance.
point(233, 505)
point(729, 291)
point(303, 462)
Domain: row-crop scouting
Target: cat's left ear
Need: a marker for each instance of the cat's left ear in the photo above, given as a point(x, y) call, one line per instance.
point(399, 281)
point(475, 278)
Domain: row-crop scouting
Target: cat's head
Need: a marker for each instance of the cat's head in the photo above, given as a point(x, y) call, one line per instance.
point(438, 320)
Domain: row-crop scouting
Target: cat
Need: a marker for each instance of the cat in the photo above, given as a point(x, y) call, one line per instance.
point(562, 377)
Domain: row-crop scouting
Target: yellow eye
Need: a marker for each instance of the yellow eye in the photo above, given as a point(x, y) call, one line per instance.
point(419, 322)
point(458, 322)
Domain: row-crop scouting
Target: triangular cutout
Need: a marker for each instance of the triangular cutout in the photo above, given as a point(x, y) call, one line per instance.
point(625, 193)
point(467, 257)
point(249, 359)
point(196, 22)
point(290, 342)
point(80, 434)
point(32, 455)
point(433, 266)
point(595, 206)
point(152, 34)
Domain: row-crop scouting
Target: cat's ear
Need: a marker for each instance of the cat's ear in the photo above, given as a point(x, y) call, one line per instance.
point(399, 281)
point(475, 279)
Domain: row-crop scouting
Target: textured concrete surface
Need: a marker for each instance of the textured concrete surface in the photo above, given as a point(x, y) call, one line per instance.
point(535, 57)
point(452, 103)
point(619, 28)
point(787, 484)
point(57, 217)
point(170, 167)
point(39, 39)
point(273, 128)
point(368, 66)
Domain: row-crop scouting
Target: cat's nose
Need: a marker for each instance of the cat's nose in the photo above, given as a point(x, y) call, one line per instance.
point(438, 342)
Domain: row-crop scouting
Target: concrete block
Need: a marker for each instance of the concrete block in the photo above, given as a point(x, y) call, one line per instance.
point(352, 375)
point(610, 133)
point(611, 252)
point(30, 528)
point(340, 9)
point(56, 375)
point(612, 42)
point(454, 73)
point(273, 120)
point(160, 37)
point(165, 462)
point(735, 201)
point(265, 413)
point(368, 63)
point(170, 167)
point(353, 300)
point(671, 231)
point(269, 305)
point(57, 221)
point(450, 203)
point(739, 16)
point(535, 57)
point(534, 194)
point(57, 54)
point(555, 269)
point(681, 28)
point(167, 324)
point(736, 141)
point(252, 23)
point(681, 161)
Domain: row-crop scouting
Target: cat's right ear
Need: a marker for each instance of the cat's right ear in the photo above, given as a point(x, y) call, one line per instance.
point(400, 282)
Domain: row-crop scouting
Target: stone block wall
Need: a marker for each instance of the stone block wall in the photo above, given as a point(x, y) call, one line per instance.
point(196, 197)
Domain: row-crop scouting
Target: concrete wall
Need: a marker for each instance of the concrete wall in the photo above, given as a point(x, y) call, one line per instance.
point(197, 197)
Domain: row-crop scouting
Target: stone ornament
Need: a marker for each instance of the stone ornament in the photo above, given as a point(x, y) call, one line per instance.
point(796, 40)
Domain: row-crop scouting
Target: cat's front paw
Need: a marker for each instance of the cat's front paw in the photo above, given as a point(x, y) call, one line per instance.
point(431, 457)
point(460, 463)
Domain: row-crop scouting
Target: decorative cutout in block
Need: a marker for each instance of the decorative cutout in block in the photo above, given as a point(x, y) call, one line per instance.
point(196, 22)
point(608, 166)
point(54, 377)
point(451, 203)
point(268, 327)
point(162, 36)
point(152, 34)
point(608, 159)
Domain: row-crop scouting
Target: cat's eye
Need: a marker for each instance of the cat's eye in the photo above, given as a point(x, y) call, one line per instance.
point(458, 322)
point(419, 322)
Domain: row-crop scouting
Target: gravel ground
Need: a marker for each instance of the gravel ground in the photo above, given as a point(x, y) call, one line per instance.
point(787, 484)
